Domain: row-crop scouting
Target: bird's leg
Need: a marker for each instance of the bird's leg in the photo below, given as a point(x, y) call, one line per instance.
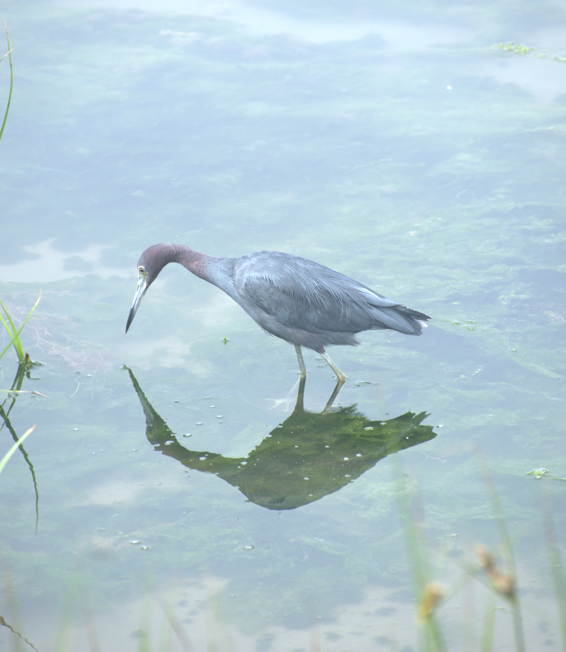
point(302, 368)
point(300, 383)
point(340, 375)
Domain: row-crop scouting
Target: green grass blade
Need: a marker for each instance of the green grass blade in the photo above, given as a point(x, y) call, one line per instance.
point(12, 450)
point(9, 55)
point(411, 515)
point(417, 565)
point(144, 630)
point(555, 560)
point(15, 335)
point(174, 624)
point(65, 630)
point(488, 630)
point(507, 549)
point(17, 343)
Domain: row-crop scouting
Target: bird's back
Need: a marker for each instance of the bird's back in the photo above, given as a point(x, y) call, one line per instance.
point(311, 305)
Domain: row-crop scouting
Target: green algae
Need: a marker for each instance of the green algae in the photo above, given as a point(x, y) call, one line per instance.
point(523, 50)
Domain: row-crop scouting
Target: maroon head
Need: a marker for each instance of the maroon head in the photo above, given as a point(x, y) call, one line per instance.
point(151, 262)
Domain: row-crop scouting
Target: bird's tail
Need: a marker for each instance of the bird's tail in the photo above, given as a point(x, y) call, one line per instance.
point(416, 321)
point(400, 318)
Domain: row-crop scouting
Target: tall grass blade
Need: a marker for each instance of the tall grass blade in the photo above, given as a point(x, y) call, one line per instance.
point(144, 630)
point(175, 624)
point(488, 630)
point(90, 625)
point(15, 340)
point(65, 628)
point(555, 561)
point(505, 538)
point(428, 593)
point(9, 55)
point(15, 334)
point(12, 450)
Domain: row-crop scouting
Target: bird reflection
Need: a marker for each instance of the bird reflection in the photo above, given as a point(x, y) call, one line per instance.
point(307, 457)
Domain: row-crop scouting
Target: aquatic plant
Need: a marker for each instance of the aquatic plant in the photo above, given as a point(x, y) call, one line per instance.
point(14, 334)
point(523, 50)
point(429, 594)
point(497, 570)
point(514, 47)
point(9, 55)
point(7, 322)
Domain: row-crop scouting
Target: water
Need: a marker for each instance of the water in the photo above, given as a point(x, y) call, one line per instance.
point(181, 500)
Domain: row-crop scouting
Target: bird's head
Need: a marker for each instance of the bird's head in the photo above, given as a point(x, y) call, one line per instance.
point(151, 262)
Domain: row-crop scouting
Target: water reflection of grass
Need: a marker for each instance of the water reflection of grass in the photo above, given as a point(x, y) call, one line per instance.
point(14, 448)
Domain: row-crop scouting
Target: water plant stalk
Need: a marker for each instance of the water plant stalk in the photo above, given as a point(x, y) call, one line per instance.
point(428, 594)
point(504, 583)
point(9, 55)
point(555, 560)
point(15, 334)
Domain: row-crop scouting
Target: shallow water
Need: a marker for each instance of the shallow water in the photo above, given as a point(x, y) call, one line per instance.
point(182, 501)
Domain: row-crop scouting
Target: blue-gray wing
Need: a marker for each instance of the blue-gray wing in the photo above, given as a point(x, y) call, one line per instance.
point(301, 294)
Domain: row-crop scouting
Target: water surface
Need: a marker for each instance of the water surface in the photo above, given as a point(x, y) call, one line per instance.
point(183, 499)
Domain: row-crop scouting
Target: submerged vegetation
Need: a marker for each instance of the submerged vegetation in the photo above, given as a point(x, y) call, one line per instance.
point(523, 50)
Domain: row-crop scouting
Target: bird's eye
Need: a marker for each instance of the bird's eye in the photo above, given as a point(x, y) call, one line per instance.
point(141, 271)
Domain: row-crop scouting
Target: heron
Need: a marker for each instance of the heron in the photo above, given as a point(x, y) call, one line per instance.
point(300, 301)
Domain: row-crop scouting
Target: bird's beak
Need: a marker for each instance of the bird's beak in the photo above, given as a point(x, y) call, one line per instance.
point(142, 287)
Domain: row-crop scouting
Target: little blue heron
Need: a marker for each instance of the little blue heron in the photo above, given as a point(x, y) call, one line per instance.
point(296, 299)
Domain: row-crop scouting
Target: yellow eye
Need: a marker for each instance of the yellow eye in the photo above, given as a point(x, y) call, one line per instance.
point(141, 271)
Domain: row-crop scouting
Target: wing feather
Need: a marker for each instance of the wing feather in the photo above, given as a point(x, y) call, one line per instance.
point(302, 294)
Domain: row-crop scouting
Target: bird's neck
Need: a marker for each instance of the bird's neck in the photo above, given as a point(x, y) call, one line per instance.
point(215, 270)
point(194, 261)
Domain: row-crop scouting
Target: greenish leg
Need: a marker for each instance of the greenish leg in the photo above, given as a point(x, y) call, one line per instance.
point(340, 376)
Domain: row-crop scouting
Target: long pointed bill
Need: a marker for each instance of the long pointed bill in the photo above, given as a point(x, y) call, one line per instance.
point(142, 287)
